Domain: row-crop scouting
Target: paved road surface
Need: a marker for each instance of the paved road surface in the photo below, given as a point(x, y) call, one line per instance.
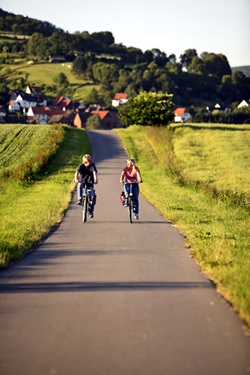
point(113, 298)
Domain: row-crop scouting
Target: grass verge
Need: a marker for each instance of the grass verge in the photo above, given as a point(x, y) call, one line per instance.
point(30, 208)
point(216, 228)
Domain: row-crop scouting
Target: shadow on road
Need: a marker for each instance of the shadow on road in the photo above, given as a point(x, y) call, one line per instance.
point(100, 286)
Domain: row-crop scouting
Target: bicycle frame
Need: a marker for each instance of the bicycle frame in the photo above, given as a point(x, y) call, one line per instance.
point(85, 201)
point(130, 200)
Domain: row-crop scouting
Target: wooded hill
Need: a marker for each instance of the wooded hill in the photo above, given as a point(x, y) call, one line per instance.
point(193, 80)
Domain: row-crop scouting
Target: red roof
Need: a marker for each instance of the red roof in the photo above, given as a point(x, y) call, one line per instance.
point(58, 100)
point(179, 111)
point(39, 110)
point(120, 95)
point(101, 114)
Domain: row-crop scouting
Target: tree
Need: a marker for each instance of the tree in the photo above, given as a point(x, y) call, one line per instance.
point(135, 55)
point(106, 74)
point(105, 38)
point(228, 91)
point(147, 109)
point(187, 57)
point(160, 57)
point(34, 42)
point(243, 84)
point(93, 122)
point(61, 80)
point(79, 66)
point(216, 64)
point(148, 56)
point(92, 97)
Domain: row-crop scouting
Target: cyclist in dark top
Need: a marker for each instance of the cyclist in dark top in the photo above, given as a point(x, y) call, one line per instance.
point(86, 173)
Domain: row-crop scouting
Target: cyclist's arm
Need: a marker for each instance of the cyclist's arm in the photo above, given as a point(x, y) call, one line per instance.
point(122, 177)
point(95, 178)
point(76, 176)
point(139, 177)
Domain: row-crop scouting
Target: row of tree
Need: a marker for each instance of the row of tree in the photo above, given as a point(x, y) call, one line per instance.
point(185, 86)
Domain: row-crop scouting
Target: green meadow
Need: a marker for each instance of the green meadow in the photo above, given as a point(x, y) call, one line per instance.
point(42, 74)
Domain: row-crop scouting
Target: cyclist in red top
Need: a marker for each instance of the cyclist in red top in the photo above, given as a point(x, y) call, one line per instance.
point(131, 173)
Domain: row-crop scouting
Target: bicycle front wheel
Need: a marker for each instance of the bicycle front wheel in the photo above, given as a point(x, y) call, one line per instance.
point(130, 208)
point(84, 209)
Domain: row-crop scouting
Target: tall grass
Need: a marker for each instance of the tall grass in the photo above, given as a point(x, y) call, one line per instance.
point(181, 168)
point(216, 159)
point(30, 207)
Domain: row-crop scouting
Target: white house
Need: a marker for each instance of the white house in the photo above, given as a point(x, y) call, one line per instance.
point(37, 94)
point(244, 103)
point(26, 101)
point(40, 113)
point(119, 99)
point(13, 106)
point(181, 115)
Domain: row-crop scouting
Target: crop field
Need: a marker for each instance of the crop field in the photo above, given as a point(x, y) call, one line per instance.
point(24, 148)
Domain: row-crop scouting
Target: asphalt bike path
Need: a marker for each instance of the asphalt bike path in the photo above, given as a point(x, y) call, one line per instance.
point(113, 298)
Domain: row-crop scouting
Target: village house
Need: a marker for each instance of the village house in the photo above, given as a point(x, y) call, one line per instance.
point(64, 117)
point(94, 107)
point(108, 119)
point(63, 103)
point(38, 113)
point(56, 59)
point(26, 101)
point(119, 99)
point(36, 92)
point(244, 103)
point(44, 113)
point(181, 115)
point(23, 100)
point(80, 119)
point(13, 106)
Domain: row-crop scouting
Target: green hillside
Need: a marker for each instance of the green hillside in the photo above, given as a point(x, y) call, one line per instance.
point(43, 75)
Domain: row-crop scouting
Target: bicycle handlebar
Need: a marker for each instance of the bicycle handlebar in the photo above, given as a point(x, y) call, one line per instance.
point(134, 182)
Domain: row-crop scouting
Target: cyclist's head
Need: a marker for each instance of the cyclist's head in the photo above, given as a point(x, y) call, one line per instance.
point(87, 159)
point(131, 161)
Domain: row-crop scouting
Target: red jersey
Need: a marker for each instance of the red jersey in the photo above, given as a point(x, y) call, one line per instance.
point(131, 175)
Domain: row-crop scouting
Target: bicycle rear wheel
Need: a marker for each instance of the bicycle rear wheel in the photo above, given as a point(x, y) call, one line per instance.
point(84, 209)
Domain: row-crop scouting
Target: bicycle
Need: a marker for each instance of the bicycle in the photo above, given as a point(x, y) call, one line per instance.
point(130, 200)
point(86, 198)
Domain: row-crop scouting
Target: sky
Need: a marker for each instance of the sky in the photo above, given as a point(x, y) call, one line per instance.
point(172, 26)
